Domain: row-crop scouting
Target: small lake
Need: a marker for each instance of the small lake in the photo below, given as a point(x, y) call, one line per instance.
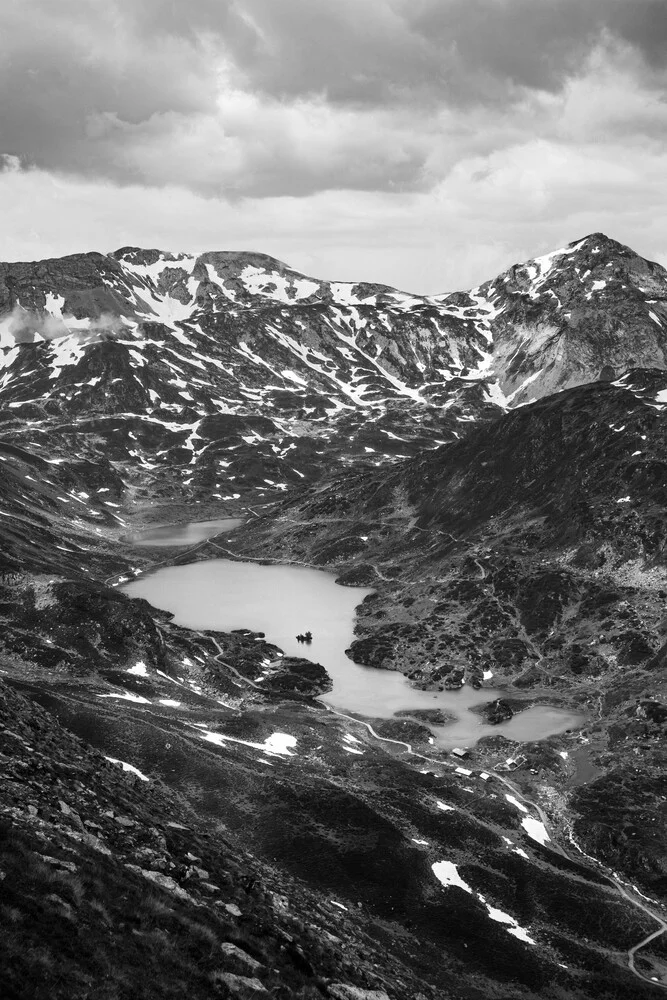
point(183, 534)
point(282, 601)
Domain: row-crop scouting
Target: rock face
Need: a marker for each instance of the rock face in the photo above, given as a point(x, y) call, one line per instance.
point(590, 311)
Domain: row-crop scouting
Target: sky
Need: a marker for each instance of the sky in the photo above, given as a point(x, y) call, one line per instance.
point(426, 144)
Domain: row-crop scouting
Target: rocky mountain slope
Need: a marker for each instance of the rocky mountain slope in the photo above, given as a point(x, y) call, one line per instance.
point(493, 463)
point(228, 373)
point(114, 886)
point(533, 551)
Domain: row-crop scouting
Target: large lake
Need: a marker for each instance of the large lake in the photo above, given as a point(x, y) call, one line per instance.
point(283, 601)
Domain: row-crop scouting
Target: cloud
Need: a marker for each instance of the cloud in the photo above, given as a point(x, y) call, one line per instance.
point(252, 147)
point(416, 52)
point(22, 327)
point(65, 64)
point(386, 52)
point(425, 143)
point(270, 97)
point(643, 24)
point(9, 163)
point(25, 326)
point(490, 211)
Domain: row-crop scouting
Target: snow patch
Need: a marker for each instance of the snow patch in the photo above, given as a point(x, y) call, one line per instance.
point(535, 829)
point(127, 696)
point(278, 744)
point(342, 292)
point(447, 873)
point(139, 668)
point(127, 767)
point(270, 284)
point(515, 802)
point(504, 918)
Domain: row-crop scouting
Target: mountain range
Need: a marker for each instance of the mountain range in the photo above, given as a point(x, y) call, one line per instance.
point(492, 462)
point(230, 372)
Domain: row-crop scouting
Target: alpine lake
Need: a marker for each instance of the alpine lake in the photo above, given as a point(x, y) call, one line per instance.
point(285, 601)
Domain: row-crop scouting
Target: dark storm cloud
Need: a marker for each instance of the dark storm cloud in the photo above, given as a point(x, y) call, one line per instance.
point(152, 90)
point(643, 24)
point(422, 51)
point(386, 51)
point(64, 64)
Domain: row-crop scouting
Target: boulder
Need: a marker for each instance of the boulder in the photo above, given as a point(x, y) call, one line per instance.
point(233, 951)
point(344, 991)
point(241, 987)
point(164, 881)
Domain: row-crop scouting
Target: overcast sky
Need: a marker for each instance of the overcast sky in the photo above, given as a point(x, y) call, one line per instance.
point(424, 143)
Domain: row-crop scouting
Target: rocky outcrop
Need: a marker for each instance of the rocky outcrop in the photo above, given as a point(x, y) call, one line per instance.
point(343, 991)
point(296, 675)
point(498, 711)
point(374, 651)
point(241, 986)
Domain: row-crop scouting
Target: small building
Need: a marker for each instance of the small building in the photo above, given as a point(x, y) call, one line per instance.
point(514, 762)
point(511, 764)
point(458, 752)
point(484, 775)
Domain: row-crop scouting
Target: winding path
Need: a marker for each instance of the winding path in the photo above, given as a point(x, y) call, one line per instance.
point(482, 571)
point(385, 739)
point(651, 937)
point(613, 879)
point(219, 659)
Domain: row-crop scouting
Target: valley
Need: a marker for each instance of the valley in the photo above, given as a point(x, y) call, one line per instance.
point(462, 496)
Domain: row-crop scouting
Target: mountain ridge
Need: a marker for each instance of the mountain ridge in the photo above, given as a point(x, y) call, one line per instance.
point(169, 354)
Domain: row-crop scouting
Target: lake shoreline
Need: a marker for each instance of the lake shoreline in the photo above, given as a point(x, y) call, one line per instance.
point(219, 606)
